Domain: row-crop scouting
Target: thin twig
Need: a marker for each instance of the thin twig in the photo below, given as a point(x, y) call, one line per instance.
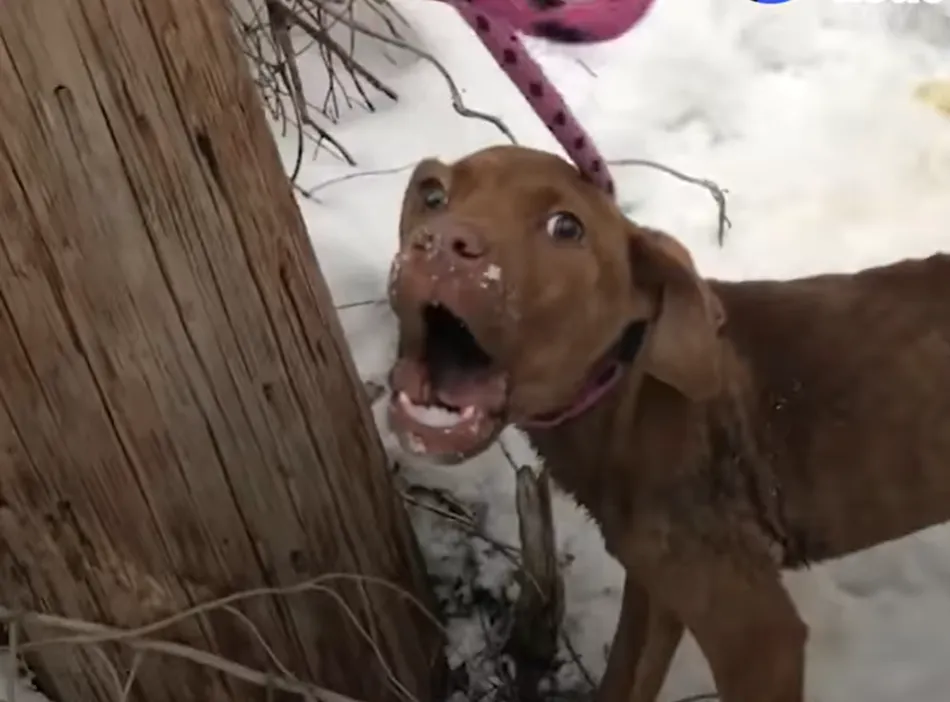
point(372, 4)
point(110, 666)
point(177, 650)
point(457, 102)
point(256, 633)
point(511, 459)
point(361, 303)
point(13, 640)
point(324, 38)
point(293, 83)
point(130, 679)
point(511, 553)
point(274, 61)
point(361, 174)
point(718, 194)
point(279, 30)
point(89, 633)
point(576, 657)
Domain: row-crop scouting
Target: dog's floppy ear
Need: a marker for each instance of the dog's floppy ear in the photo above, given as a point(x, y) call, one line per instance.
point(682, 351)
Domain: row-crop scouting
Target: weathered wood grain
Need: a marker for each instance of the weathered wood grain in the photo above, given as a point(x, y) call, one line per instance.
point(179, 414)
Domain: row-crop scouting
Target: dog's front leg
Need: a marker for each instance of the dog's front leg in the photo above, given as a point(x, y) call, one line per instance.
point(625, 651)
point(643, 647)
point(755, 646)
point(664, 633)
point(733, 601)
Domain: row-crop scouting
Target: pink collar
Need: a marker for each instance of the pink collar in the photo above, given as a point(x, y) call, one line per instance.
point(592, 392)
point(601, 382)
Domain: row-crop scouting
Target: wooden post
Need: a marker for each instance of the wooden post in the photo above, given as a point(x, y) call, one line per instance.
point(179, 414)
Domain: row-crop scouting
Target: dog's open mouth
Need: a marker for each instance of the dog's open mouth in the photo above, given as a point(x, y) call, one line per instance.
point(449, 403)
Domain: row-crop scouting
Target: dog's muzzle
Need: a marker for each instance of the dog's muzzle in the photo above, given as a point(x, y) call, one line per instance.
point(449, 392)
point(449, 261)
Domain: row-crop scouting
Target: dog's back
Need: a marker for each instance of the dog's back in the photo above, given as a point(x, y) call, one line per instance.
point(848, 400)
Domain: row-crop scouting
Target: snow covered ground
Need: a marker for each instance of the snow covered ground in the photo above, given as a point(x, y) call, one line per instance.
point(804, 111)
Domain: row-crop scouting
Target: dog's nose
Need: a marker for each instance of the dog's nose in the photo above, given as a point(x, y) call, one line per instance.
point(466, 243)
point(457, 240)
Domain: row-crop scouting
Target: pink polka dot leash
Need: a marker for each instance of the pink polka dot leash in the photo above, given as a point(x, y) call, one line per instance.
point(496, 22)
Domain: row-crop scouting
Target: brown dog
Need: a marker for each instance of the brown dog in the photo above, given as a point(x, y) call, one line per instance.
point(718, 432)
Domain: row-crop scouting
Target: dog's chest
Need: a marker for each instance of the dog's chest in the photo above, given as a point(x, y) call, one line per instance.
point(598, 486)
point(718, 492)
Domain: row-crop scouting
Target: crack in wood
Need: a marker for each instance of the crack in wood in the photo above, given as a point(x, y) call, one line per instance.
point(207, 152)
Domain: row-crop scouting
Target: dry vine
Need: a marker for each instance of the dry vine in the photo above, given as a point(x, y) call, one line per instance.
point(141, 640)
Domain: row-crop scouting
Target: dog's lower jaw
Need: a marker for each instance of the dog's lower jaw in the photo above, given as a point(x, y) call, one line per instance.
point(419, 450)
point(470, 433)
point(445, 417)
point(440, 454)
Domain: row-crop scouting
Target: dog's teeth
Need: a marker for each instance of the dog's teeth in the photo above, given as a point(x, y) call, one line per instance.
point(436, 417)
point(468, 412)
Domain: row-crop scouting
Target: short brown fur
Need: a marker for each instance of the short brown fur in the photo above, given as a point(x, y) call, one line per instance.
point(763, 425)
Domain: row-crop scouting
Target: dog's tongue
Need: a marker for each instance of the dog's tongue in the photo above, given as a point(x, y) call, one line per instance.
point(412, 378)
point(485, 390)
point(457, 389)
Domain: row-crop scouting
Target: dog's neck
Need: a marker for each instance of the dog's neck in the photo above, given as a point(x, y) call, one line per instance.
point(564, 439)
point(614, 454)
point(593, 456)
point(603, 378)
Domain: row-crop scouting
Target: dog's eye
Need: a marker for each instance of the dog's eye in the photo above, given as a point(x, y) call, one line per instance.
point(433, 194)
point(564, 226)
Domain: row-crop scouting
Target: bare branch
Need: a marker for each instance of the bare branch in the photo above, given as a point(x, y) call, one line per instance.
point(85, 633)
point(718, 194)
point(457, 102)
